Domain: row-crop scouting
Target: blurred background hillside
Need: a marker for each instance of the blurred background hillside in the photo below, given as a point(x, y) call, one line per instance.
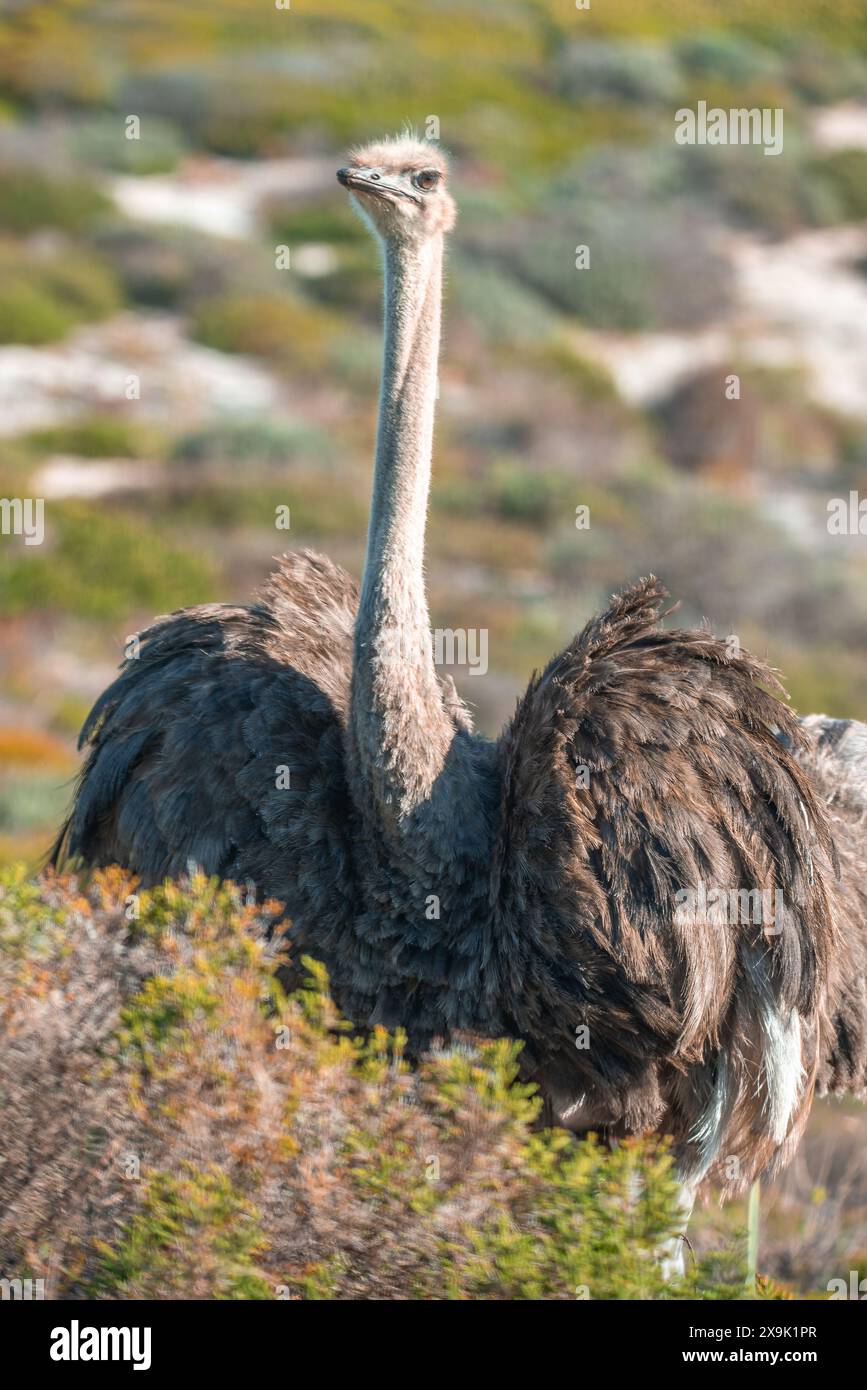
point(167, 382)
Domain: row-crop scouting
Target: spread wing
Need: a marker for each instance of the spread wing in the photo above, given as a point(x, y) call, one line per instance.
point(640, 766)
point(220, 743)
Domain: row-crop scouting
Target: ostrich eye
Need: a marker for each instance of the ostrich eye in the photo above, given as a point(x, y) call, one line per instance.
point(426, 179)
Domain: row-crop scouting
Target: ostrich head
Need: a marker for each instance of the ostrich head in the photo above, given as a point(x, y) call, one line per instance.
point(399, 186)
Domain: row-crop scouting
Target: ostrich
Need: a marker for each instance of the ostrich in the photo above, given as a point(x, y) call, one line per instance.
point(531, 886)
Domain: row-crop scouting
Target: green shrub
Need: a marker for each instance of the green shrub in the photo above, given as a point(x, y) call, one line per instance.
point(845, 174)
point(223, 498)
point(44, 295)
point(269, 326)
point(594, 70)
point(102, 141)
point(510, 490)
point(31, 201)
point(30, 315)
point(251, 442)
point(94, 436)
point(224, 105)
point(97, 564)
point(822, 74)
point(81, 284)
point(219, 1139)
point(727, 56)
point(332, 221)
point(506, 311)
point(177, 267)
point(193, 1234)
point(589, 378)
point(519, 494)
point(653, 257)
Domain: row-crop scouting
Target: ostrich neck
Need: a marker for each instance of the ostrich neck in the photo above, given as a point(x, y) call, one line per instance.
point(399, 728)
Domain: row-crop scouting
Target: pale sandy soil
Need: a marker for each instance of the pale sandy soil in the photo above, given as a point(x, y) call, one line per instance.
point(799, 302)
point(179, 379)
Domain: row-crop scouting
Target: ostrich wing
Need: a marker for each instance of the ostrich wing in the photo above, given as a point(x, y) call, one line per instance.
point(835, 758)
point(192, 746)
point(639, 765)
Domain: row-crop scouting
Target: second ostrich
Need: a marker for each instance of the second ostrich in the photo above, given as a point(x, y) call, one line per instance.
point(535, 885)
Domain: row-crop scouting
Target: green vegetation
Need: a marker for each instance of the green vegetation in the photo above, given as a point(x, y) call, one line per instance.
point(242, 83)
point(301, 1161)
point(30, 202)
point(45, 294)
point(329, 221)
point(251, 443)
point(94, 436)
point(100, 566)
point(101, 141)
point(192, 1232)
point(271, 326)
point(845, 172)
point(28, 315)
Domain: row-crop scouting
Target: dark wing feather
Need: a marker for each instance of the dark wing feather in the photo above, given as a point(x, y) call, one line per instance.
point(835, 758)
point(184, 747)
point(640, 764)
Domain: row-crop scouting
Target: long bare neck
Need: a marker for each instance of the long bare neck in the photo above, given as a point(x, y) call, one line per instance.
point(400, 729)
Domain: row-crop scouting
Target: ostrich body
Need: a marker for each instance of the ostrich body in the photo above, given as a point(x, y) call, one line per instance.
point(526, 886)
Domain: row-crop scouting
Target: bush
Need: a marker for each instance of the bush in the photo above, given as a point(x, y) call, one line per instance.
point(99, 565)
point(332, 222)
point(822, 74)
point(251, 442)
point(728, 57)
point(43, 296)
point(845, 174)
point(101, 140)
point(219, 105)
point(779, 200)
point(95, 436)
point(81, 284)
point(29, 315)
point(652, 266)
point(195, 1235)
point(654, 255)
point(588, 378)
point(618, 71)
point(30, 201)
point(175, 267)
point(506, 311)
point(200, 1134)
point(269, 326)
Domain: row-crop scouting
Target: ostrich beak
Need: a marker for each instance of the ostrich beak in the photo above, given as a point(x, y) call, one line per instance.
point(365, 181)
point(362, 179)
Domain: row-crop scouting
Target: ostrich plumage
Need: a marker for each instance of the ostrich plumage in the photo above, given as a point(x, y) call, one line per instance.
point(524, 886)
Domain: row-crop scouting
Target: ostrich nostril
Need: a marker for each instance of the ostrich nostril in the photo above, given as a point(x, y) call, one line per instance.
point(374, 178)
